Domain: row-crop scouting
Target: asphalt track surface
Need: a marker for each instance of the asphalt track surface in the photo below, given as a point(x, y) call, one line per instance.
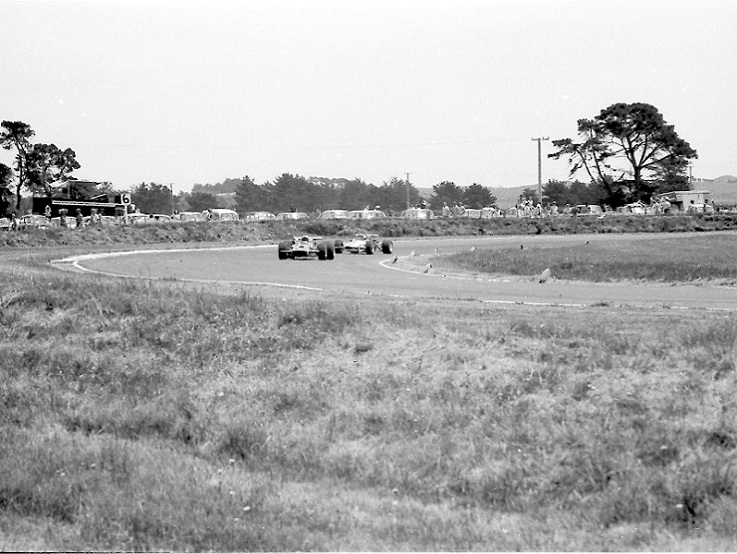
point(405, 274)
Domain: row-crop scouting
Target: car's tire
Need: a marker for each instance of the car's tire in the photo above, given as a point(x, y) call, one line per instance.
point(387, 246)
point(322, 251)
point(338, 246)
point(369, 247)
point(284, 248)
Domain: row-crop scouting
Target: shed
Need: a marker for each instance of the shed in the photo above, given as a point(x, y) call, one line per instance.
point(683, 200)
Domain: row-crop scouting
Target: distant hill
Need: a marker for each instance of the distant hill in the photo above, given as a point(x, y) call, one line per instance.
point(723, 190)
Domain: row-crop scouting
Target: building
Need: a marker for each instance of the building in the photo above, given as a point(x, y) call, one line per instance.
point(685, 200)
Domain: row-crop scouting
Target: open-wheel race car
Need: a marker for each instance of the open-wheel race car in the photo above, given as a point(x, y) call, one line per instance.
point(306, 246)
point(368, 244)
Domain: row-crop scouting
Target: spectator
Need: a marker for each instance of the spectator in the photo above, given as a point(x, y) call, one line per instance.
point(79, 218)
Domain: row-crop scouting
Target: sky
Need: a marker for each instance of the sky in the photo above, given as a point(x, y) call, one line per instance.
point(198, 92)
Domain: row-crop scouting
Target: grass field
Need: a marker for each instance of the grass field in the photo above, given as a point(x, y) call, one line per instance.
point(672, 260)
point(159, 416)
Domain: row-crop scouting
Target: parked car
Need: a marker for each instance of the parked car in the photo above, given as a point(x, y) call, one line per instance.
point(589, 209)
point(418, 213)
point(4, 223)
point(70, 222)
point(334, 214)
point(291, 215)
point(221, 214)
point(469, 213)
point(366, 214)
point(191, 216)
point(147, 219)
point(260, 216)
point(33, 221)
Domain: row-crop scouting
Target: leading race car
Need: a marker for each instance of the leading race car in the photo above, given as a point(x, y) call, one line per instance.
point(368, 244)
point(306, 246)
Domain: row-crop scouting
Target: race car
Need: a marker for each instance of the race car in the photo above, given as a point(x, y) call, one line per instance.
point(368, 244)
point(306, 246)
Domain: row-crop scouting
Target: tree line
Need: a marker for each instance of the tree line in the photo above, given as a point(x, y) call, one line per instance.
point(628, 152)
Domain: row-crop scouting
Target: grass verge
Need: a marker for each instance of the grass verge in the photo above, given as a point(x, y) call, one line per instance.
point(672, 259)
point(153, 416)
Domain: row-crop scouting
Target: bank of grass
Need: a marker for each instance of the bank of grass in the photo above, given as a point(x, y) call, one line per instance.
point(673, 259)
point(142, 416)
point(274, 231)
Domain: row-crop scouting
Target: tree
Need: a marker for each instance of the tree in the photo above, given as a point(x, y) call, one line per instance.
point(293, 193)
point(152, 198)
point(622, 147)
point(16, 134)
point(477, 196)
point(6, 194)
point(356, 195)
point(201, 201)
point(558, 192)
point(529, 194)
point(446, 193)
point(48, 164)
point(396, 194)
point(250, 197)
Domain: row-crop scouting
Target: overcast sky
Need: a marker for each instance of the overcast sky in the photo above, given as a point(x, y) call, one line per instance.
point(197, 92)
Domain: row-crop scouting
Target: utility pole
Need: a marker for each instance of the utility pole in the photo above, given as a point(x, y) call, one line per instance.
point(540, 168)
point(407, 180)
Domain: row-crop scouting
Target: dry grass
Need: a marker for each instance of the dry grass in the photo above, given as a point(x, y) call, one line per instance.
point(672, 259)
point(143, 416)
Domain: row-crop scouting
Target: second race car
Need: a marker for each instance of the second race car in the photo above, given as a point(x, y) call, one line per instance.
point(368, 244)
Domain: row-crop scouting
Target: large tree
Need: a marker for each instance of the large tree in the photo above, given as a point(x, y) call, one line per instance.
point(17, 135)
point(152, 198)
point(356, 195)
point(250, 197)
point(6, 194)
point(201, 201)
point(293, 193)
point(446, 193)
point(572, 193)
point(627, 149)
point(396, 194)
point(48, 164)
point(478, 196)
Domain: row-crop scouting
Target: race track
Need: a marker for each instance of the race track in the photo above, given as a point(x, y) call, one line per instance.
point(379, 274)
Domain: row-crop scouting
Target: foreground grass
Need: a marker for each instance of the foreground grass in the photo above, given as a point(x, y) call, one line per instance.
point(672, 259)
point(141, 416)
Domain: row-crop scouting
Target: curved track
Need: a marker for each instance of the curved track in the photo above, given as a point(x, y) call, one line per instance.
point(404, 277)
